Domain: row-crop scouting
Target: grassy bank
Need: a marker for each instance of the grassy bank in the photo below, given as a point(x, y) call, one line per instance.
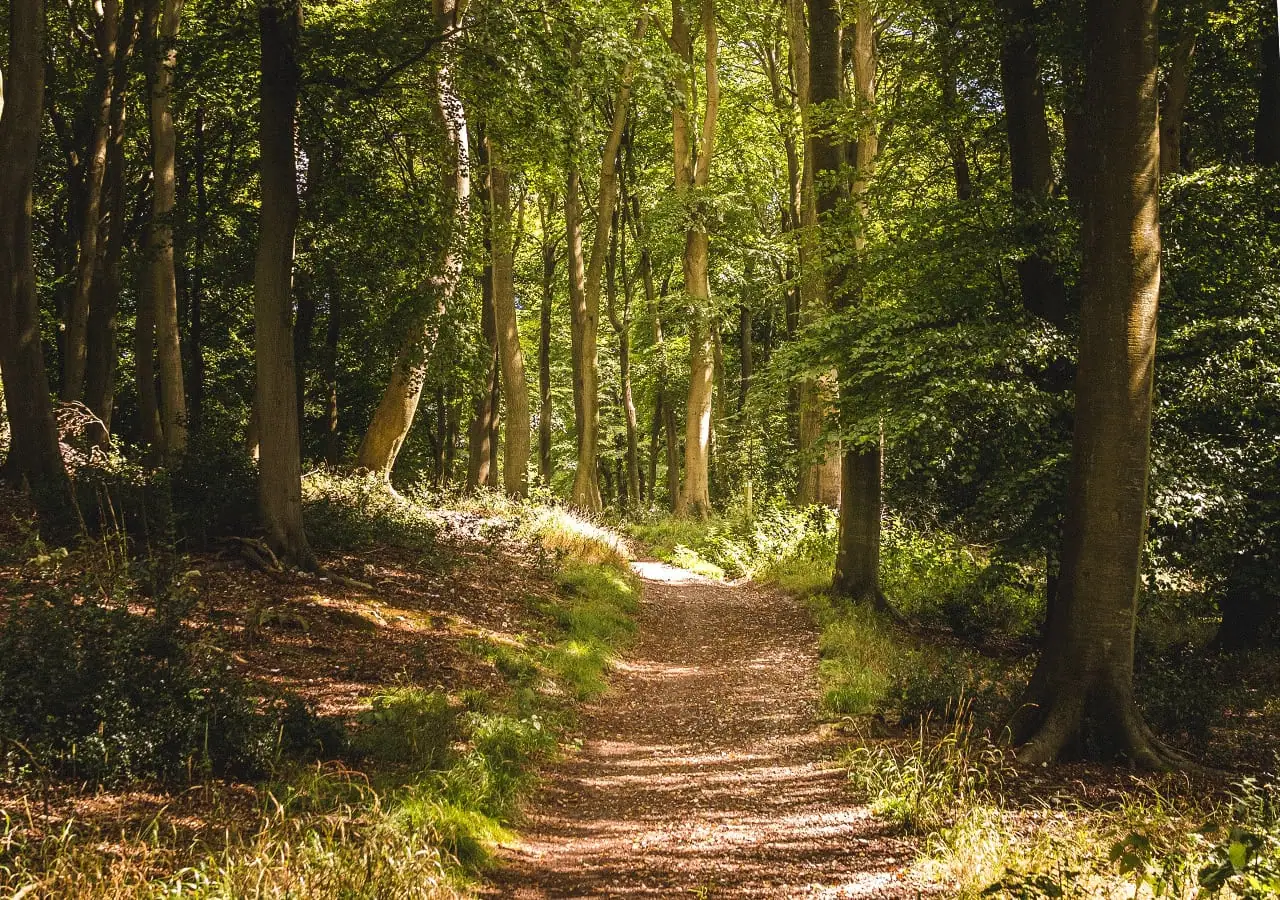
point(368, 733)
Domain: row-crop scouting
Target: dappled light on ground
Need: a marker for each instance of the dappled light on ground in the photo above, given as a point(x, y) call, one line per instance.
point(705, 771)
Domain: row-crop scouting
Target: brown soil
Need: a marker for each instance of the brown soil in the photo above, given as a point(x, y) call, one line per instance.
point(705, 772)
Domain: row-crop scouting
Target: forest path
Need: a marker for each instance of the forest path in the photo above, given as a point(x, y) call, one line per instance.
point(704, 772)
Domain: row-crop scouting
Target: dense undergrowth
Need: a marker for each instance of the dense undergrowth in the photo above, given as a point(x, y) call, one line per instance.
point(925, 701)
point(107, 684)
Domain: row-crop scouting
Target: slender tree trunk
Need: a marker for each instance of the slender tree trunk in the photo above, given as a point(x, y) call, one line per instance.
point(1266, 143)
point(394, 416)
point(75, 339)
point(34, 455)
point(545, 410)
point(162, 18)
point(195, 329)
point(280, 457)
point(1173, 105)
point(1030, 155)
point(483, 452)
point(951, 109)
point(515, 386)
point(693, 157)
point(857, 570)
point(585, 277)
point(101, 351)
point(1081, 695)
point(333, 332)
point(622, 328)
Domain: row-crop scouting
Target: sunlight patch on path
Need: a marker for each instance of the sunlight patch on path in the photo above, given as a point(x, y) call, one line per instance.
point(663, 573)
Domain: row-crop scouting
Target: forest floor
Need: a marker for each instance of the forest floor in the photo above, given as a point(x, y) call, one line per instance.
point(706, 771)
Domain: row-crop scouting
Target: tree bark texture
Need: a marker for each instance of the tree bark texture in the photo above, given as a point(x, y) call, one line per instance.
point(857, 569)
point(280, 457)
point(75, 338)
point(585, 277)
point(819, 464)
point(399, 403)
point(1173, 106)
point(693, 155)
point(101, 351)
point(161, 20)
point(515, 386)
point(1080, 699)
point(34, 455)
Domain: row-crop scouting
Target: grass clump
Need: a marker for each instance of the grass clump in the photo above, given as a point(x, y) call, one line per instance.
point(569, 537)
point(406, 725)
point(596, 617)
point(926, 787)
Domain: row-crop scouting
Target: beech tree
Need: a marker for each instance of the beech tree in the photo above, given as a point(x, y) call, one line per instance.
point(280, 456)
point(399, 404)
point(1081, 694)
point(693, 155)
point(34, 456)
point(161, 21)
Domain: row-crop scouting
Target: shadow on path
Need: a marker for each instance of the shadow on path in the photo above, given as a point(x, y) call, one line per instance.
point(704, 771)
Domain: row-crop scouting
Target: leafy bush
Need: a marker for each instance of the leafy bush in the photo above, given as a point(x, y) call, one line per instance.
point(99, 691)
point(359, 512)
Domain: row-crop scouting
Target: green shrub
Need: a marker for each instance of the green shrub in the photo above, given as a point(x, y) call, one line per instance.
point(360, 512)
point(99, 691)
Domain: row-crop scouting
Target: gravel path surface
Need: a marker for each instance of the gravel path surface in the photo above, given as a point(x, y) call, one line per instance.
point(704, 772)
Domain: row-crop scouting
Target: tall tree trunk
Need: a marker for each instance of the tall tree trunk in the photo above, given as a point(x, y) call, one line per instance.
point(1266, 143)
point(622, 328)
point(545, 410)
point(857, 570)
point(75, 339)
point(101, 350)
point(280, 456)
point(1081, 694)
point(1030, 156)
point(585, 277)
point(586, 391)
point(515, 386)
point(693, 157)
point(819, 475)
point(1174, 103)
point(394, 415)
point(482, 452)
point(195, 327)
point(34, 455)
point(161, 21)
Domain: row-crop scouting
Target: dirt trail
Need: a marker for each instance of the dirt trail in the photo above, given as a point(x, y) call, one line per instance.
point(704, 772)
